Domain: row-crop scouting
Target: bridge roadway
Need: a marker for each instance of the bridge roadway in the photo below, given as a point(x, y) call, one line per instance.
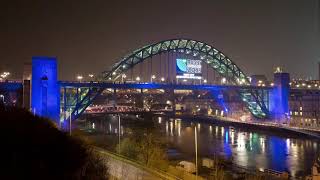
point(102, 109)
point(10, 85)
point(106, 85)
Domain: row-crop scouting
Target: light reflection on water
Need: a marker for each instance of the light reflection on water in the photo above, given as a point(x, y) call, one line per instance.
point(251, 149)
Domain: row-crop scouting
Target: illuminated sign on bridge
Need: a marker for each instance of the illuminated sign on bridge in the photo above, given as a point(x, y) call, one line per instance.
point(188, 69)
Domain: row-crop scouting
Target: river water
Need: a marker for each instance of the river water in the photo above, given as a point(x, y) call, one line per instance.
point(252, 149)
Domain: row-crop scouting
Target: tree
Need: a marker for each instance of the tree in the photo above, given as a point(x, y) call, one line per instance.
point(151, 152)
point(145, 149)
point(128, 148)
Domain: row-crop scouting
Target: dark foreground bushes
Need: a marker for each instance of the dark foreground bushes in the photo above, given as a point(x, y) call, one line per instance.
point(33, 148)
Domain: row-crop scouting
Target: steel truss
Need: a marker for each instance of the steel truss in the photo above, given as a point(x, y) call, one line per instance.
point(253, 98)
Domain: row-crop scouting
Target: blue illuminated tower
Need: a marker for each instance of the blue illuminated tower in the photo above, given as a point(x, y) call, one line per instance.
point(279, 100)
point(44, 88)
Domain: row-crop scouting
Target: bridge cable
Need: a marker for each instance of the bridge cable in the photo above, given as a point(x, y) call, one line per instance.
point(168, 64)
point(160, 67)
point(132, 69)
point(207, 73)
point(140, 70)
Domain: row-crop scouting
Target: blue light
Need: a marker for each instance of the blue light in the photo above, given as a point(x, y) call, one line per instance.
point(279, 96)
point(45, 91)
point(219, 99)
point(226, 145)
point(227, 137)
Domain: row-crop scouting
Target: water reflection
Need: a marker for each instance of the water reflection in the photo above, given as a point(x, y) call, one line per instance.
point(246, 148)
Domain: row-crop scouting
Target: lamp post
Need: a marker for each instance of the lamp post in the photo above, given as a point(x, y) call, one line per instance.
point(223, 80)
point(80, 77)
point(196, 148)
point(123, 76)
point(119, 132)
point(205, 81)
point(70, 121)
point(152, 77)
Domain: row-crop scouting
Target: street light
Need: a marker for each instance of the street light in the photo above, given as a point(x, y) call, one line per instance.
point(223, 80)
point(205, 81)
point(91, 75)
point(80, 77)
point(138, 78)
point(153, 77)
point(123, 76)
point(162, 79)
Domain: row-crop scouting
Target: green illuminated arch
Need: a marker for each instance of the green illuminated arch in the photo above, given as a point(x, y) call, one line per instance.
point(208, 54)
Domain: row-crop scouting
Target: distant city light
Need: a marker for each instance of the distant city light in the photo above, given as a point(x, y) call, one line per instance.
point(5, 75)
point(153, 76)
point(91, 75)
point(162, 79)
point(138, 78)
point(205, 81)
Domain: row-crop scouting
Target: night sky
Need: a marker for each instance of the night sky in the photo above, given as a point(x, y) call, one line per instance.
point(90, 35)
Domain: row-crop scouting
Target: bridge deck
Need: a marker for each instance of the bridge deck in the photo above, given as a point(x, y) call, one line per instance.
point(156, 86)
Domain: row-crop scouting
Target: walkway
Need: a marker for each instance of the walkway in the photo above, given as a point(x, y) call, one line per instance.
point(123, 168)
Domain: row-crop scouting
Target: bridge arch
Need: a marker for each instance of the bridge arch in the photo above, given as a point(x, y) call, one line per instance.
point(215, 59)
point(207, 53)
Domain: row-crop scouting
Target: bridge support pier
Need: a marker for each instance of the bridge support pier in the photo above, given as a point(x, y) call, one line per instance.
point(172, 100)
point(279, 97)
point(45, 95)
point(139, 99)
point(114, 97)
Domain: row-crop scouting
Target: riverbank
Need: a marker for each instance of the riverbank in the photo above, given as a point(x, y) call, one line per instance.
point(266, 127)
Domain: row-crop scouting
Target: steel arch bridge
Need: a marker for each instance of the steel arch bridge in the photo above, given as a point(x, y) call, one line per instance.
point(215, 59)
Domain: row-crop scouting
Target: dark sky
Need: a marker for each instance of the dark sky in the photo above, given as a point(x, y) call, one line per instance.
point(91, 35)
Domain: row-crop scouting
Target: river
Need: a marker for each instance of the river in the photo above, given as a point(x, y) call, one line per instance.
point(250, 148)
